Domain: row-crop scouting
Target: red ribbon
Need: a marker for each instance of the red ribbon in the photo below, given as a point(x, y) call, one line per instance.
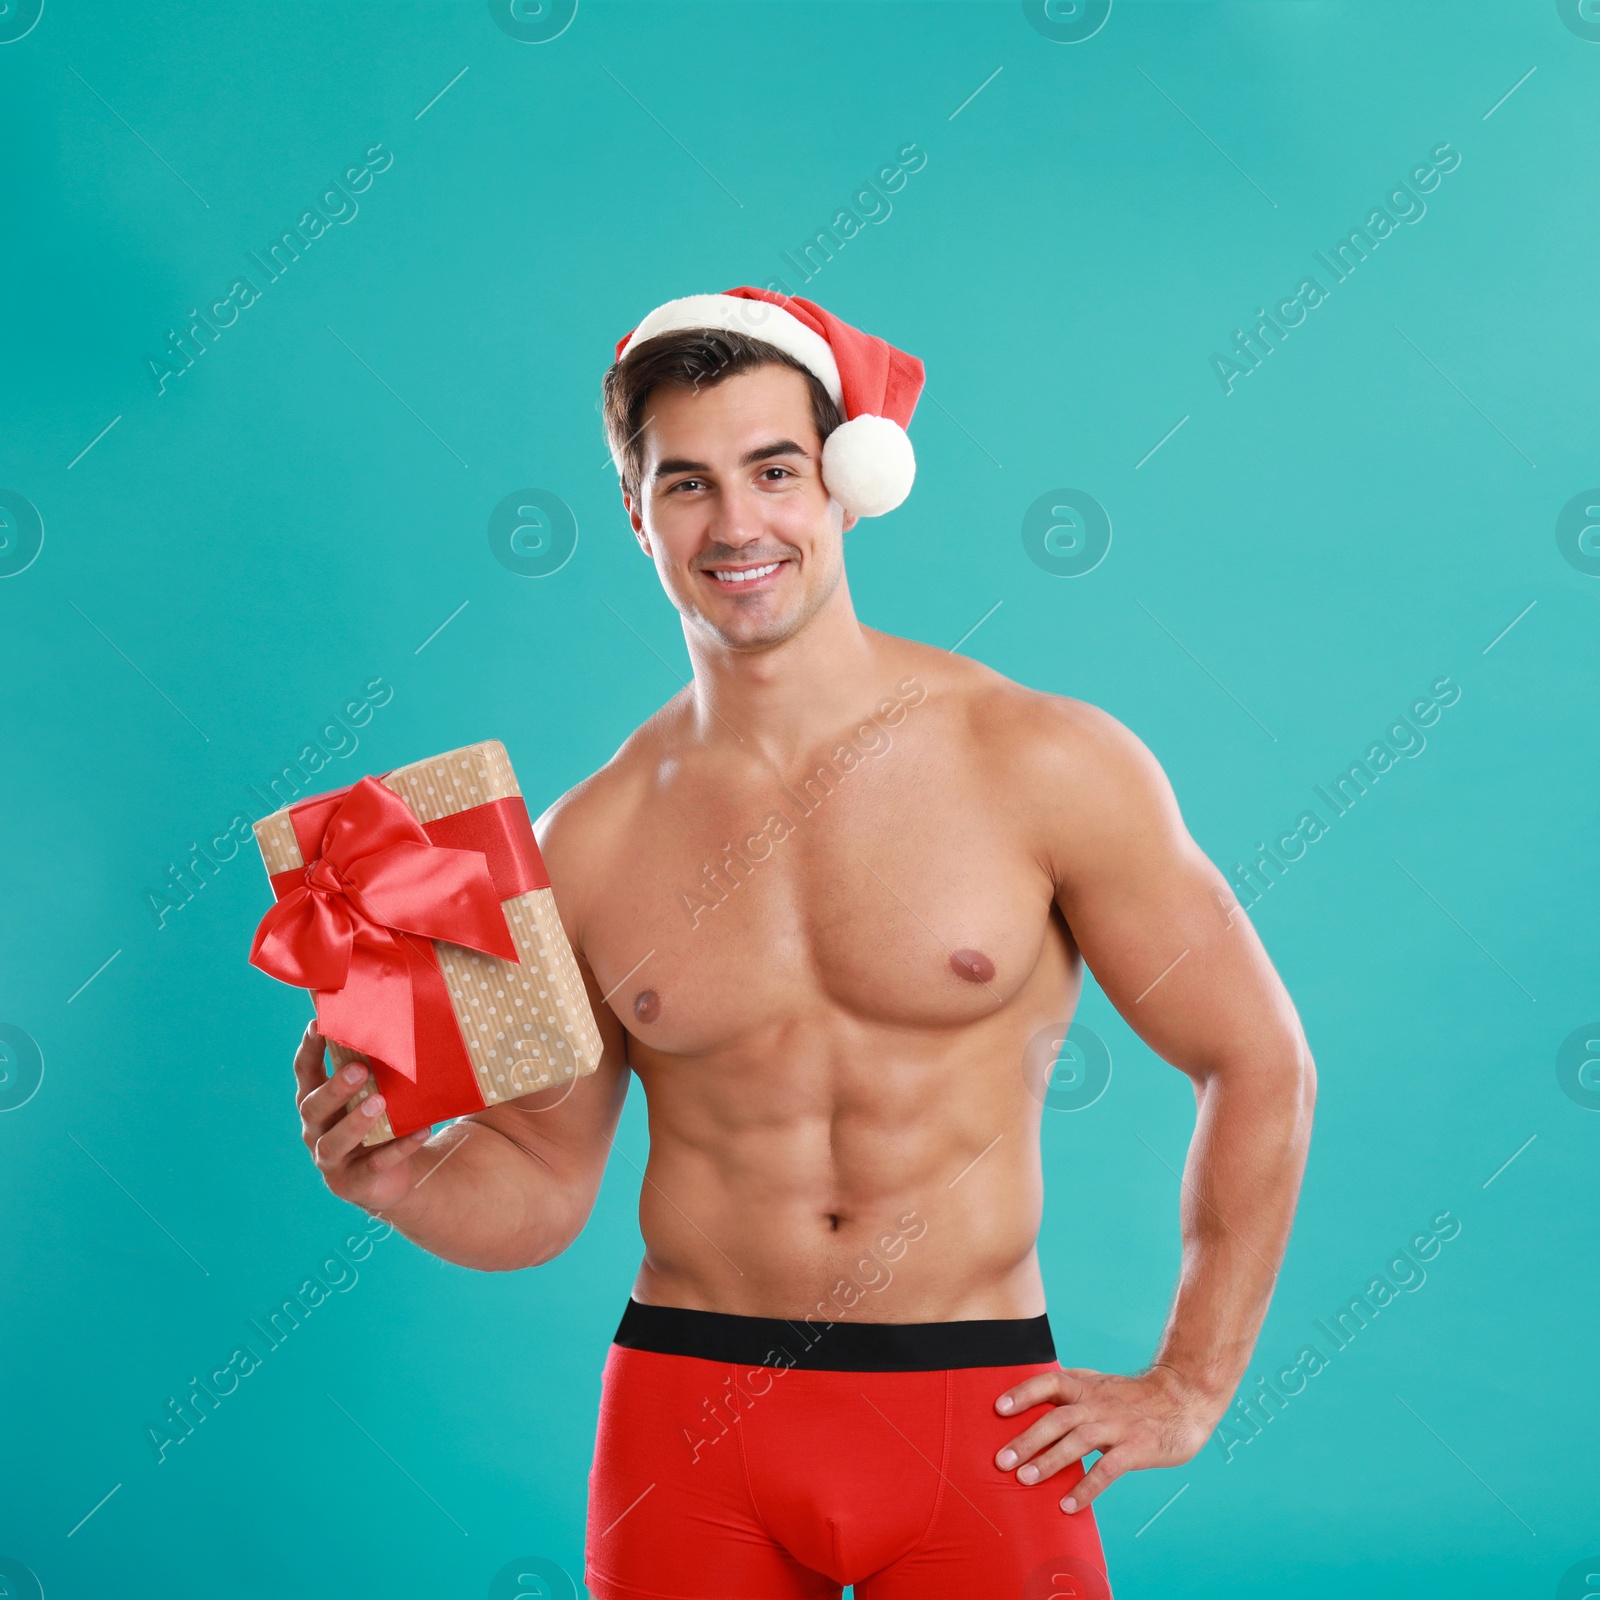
point(354, 926)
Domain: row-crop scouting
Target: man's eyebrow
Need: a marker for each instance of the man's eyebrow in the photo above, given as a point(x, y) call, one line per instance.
point(766, 452)
point(779, 447)
point(679, 464)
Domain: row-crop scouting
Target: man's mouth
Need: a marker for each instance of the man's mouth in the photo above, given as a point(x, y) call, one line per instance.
point(746, 577)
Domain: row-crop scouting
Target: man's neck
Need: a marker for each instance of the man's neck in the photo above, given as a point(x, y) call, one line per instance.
point(780, 702)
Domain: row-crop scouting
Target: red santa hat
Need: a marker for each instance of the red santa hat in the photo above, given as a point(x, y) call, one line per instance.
point(867, 461)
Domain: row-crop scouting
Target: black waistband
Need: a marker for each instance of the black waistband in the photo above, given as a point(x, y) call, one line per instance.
point(836, 1346)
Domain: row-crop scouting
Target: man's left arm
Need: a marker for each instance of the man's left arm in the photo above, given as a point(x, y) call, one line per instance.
point(1177, 956)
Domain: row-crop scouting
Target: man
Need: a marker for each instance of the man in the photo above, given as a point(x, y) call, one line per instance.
point(828, 901)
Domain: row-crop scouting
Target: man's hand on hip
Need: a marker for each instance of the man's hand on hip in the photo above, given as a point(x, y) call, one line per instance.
point(1153, 1420)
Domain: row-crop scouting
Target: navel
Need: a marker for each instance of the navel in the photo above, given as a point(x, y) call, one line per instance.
point(647, 1005)
point(973, 965)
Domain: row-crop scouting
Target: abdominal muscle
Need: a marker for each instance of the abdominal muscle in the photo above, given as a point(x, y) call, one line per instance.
point(845, 1174)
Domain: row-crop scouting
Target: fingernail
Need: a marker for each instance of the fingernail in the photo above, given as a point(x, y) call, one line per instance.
point(372, 1105)
point(1069, 1504)
point(1006, 1460)
point(1003, 1403)
point(354, 1074)
point(1029, 1474)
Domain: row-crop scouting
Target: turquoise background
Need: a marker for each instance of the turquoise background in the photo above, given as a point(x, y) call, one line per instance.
point(300, 513)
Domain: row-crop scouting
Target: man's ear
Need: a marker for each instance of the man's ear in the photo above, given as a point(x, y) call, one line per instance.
point(636, 522)
point(850, 520)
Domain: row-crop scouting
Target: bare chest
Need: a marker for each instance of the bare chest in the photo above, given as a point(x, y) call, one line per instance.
point(884, 887)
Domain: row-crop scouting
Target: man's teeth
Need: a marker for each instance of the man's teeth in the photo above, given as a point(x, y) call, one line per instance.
point(747, 576)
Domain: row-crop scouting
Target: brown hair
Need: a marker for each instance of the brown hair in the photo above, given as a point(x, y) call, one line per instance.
point(691, 358)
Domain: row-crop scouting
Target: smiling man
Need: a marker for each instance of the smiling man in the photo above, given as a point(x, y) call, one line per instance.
point(830, 902)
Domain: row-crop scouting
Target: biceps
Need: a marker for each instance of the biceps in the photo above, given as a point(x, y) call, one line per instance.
point(1175, 953)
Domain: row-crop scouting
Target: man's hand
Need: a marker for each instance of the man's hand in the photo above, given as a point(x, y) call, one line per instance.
point(374, 1178)
point(1153, 1420)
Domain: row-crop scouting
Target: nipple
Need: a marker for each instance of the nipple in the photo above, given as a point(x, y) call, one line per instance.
point(973, 965)
point(647, 1005)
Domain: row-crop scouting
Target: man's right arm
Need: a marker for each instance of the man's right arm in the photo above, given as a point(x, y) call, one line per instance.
point(507, 1187)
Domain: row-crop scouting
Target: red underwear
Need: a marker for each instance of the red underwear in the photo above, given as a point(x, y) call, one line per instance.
point(750, 1458)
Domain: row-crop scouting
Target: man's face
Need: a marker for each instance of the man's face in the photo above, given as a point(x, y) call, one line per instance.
point(731, 485)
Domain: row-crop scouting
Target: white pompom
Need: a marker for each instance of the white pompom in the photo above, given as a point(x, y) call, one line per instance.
point(868, 465)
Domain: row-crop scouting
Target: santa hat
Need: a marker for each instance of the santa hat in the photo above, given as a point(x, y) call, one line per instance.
point(867, 461)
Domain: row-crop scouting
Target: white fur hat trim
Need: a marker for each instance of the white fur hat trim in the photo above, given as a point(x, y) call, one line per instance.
point(868, 465)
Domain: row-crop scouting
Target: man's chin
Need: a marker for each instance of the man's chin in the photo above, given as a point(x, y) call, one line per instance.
point(751, 634)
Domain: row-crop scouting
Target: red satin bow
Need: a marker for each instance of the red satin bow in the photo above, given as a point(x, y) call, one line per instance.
point(346, 932)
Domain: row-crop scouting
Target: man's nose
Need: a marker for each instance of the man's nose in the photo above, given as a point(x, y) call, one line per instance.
point(739, 518)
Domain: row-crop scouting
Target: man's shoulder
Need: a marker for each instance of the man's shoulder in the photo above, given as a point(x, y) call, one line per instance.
point(1060, 779)
point(1071, 777)
point(601, 806)
point(1035, 732)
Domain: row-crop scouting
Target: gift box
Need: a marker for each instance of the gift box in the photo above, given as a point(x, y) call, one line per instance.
point(416, 908)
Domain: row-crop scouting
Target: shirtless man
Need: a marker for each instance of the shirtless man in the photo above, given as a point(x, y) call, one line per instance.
point(828, 901)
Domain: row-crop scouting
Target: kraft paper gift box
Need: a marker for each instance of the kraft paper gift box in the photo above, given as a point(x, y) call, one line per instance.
point(416, 908)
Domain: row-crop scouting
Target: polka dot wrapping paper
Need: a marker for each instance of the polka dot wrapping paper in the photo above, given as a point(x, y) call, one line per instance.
point(526, 1025)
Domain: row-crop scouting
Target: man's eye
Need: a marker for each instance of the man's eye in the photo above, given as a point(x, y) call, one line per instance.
point(782, 471)
point(686, 483)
